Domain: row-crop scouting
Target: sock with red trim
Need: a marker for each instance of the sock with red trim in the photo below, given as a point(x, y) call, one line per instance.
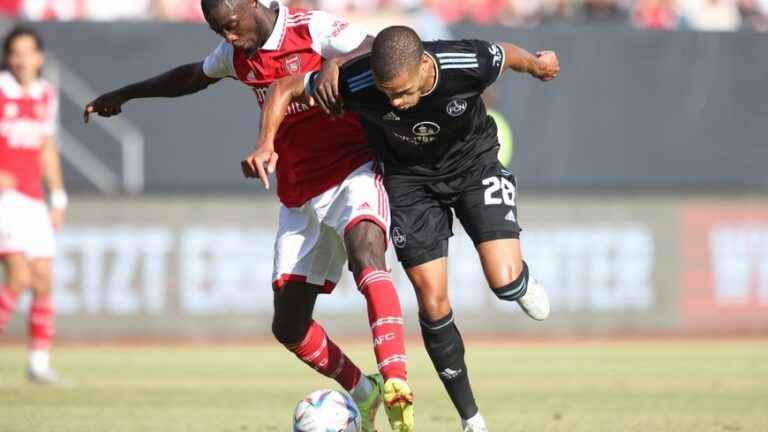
point(41, 323)
point(386, 319)
point(318, 351)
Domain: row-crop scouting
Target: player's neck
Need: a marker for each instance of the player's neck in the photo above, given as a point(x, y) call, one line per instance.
point(271, 16)
point(429, 82)
point(24, 82)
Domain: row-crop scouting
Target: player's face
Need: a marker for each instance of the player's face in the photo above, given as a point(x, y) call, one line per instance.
point(25, 59)
point(241, 25)
point(405, 90)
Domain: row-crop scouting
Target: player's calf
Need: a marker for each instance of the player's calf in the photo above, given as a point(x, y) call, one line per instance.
point(386, 320)
point(8, 300)
point(446, 350)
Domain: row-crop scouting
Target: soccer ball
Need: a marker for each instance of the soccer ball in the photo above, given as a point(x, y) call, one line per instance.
point(326, 411)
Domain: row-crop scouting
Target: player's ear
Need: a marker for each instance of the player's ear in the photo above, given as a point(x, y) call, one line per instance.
point(424, 63)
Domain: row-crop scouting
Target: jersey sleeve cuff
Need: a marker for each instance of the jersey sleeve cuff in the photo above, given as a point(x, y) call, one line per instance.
point(503, 60)
point(309, 83)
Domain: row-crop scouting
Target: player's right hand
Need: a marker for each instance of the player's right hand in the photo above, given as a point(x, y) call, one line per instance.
point(106, 105)
point(548, 66)
point(260, 164)
point(326, 93)
point(7, 180)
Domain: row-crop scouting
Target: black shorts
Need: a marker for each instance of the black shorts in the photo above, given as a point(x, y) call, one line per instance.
point(422, 221)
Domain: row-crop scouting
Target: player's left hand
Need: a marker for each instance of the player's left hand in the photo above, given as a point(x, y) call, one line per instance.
point(326, 93)
point(260, 164)
point(548, 67)
point(57, 219)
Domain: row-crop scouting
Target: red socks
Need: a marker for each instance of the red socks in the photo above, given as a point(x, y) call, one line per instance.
point(386, 319)
point(41, 323)
point(8, 301)
point(319, 352)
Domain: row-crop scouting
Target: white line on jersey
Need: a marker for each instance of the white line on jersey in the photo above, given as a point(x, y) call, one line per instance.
point(441, 55)
point(460, 66)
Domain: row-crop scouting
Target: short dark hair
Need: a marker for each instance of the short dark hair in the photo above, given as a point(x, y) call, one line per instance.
point(16, 33)
point(395, 50)
point(209, 5)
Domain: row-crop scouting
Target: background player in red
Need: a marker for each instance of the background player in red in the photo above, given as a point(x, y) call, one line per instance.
point(28, 152)
point(333, 203)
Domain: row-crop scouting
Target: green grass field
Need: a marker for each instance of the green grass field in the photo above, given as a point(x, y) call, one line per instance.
point(666, 386)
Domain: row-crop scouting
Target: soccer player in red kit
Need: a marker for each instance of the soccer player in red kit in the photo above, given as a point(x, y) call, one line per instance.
point(333, 204)
point(29, 153)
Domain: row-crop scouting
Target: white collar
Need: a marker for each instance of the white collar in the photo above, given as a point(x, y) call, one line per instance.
point(14, 90)
point(437, 74)
point(275, 39)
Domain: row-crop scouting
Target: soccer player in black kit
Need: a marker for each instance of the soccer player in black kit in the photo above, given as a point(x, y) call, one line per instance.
point(420, 106)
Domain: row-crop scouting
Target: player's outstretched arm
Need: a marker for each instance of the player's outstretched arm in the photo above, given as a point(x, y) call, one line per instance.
point(181, 81)
point(326, 92)
point(544, 65)
point(263, 159)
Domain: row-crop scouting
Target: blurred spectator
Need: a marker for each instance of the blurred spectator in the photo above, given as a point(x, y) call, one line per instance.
point(10, 7)
point(655, 15)
point(110, 10)
point(62, 10)
point(607, 11)
point(432, 18)
point(479, 11)
point(711, 15)
point(754, 12)
point(303, 4)
point(530, 12)
point(427, 24)
point(177, 10)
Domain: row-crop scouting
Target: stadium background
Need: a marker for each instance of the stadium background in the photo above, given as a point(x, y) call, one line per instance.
point(642, 180)
point(642, 194)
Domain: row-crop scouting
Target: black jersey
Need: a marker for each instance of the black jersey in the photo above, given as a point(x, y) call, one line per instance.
point(448, 130)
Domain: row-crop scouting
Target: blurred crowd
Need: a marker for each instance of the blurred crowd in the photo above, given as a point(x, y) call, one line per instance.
point(435, 15)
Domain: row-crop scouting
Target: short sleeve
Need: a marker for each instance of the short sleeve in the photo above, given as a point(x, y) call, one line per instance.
point(480, 61)
point(333, 37)
point(219, 63)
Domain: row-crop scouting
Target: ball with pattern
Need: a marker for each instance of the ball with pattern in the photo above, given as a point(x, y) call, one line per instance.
point(326, 411)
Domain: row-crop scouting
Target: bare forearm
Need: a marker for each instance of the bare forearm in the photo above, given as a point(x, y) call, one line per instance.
point(180, 81)
point(279, 97)
point(519, 59)
point(364, 48)
point(52, 165)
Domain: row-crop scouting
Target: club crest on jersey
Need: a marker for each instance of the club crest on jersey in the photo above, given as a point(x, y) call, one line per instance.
point(293, 64)
point(11, 110)
point(456, 107)
point(426, 131)
point(398, 237)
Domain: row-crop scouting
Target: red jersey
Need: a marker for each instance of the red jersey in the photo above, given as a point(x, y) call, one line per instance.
point(27, 118)
point(316, 153)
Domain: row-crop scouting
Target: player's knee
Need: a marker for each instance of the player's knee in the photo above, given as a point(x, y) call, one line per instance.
point(366, 245)
point(19, 279)
point(435, 306)
point(288, 333)
point(515, 289)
